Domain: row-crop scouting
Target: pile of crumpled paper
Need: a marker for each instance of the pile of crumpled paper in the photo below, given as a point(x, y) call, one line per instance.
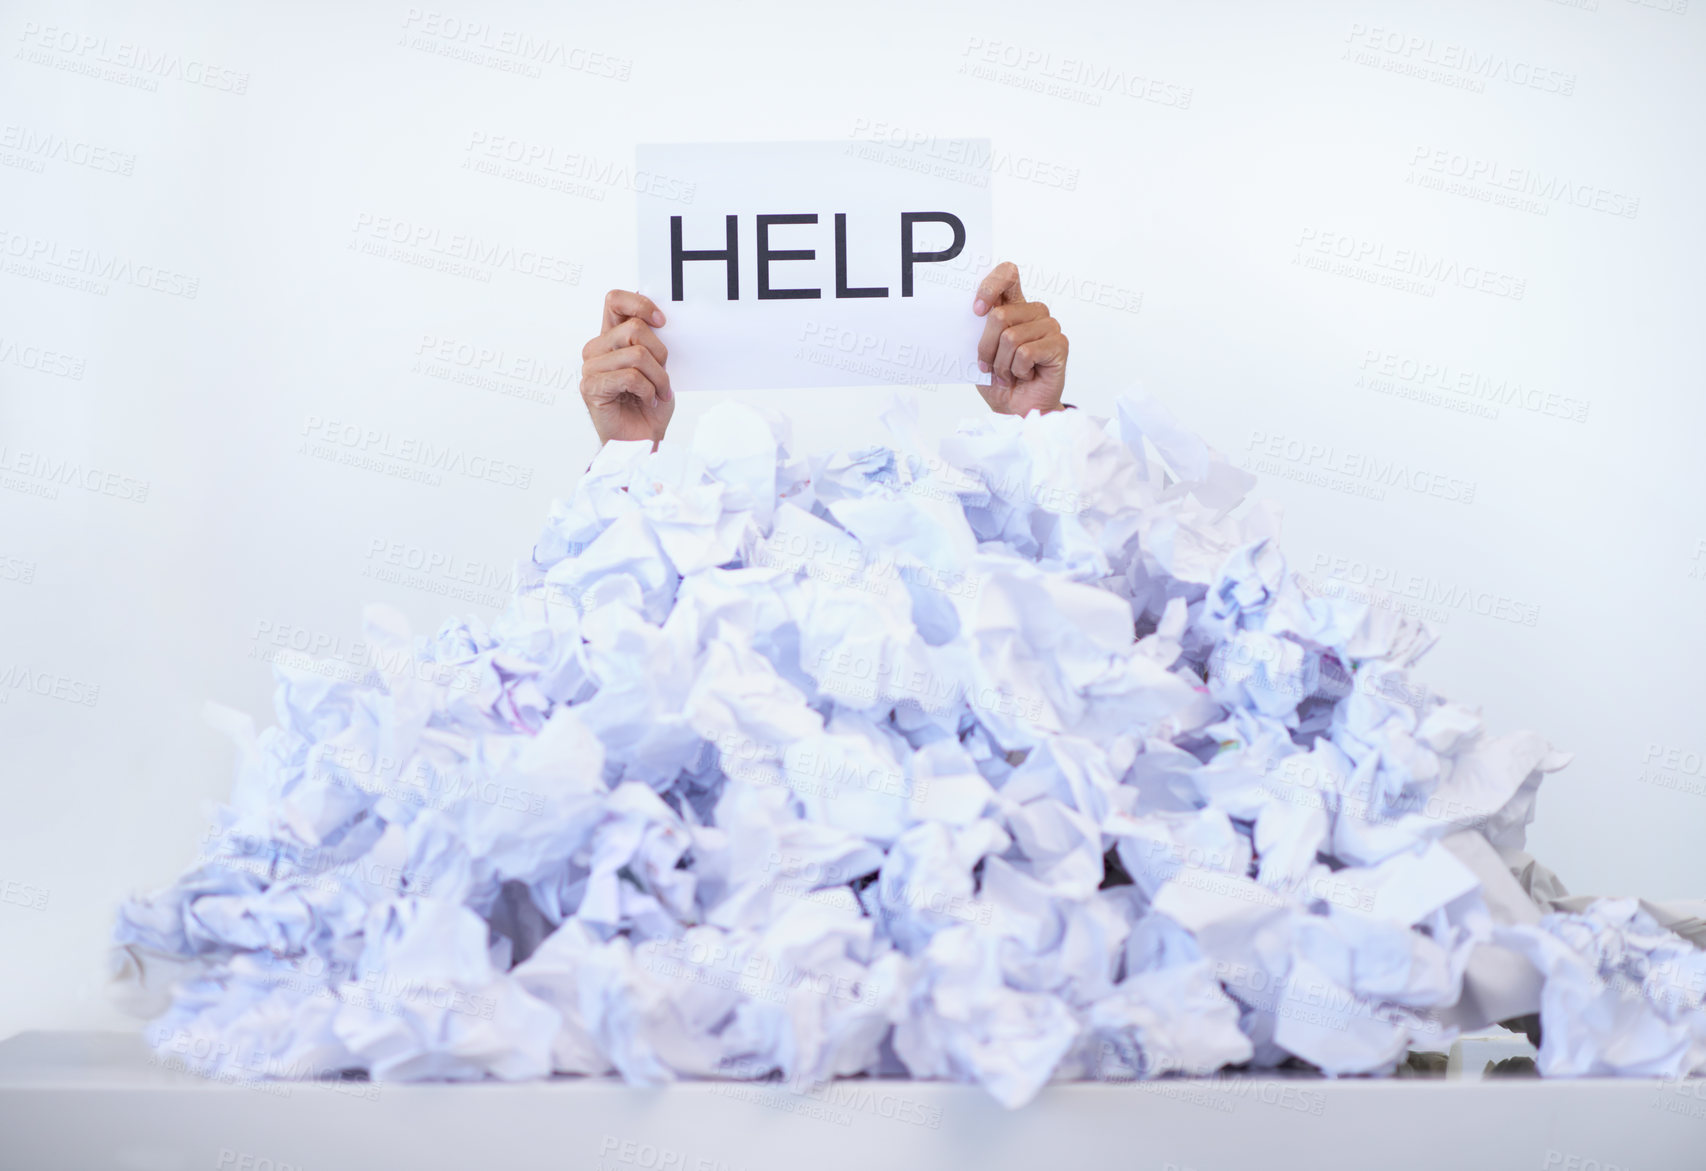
point(1011, 756)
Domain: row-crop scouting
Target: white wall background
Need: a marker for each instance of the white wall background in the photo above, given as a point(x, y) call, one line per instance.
point(1176, 171)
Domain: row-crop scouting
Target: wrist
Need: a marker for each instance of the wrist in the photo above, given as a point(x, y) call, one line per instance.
point(1023, 407)
point(655, 440)
point(628, 432)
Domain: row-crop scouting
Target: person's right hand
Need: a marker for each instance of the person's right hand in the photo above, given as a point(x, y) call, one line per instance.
point(623, 382)
point(1022, 349)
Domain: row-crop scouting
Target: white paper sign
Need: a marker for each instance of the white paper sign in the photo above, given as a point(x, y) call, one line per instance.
point(852, 261)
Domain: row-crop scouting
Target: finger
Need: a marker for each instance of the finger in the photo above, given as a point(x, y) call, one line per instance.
point(999, 319)
point(1019, 318)
point(634, 357)
point(620, 304)
point(1030, 342)
point(631, 332)
point(999, 287)
point(1002, 366)
point(1016, 336)
point(609, 387)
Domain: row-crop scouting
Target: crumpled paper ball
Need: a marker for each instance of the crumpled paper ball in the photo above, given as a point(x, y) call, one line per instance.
point(1014, 755)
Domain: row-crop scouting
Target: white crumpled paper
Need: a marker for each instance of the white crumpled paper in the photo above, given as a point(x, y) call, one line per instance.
point(1013, 755)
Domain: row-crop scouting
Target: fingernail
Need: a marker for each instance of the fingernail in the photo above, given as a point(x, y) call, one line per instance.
point(983, 366)
point(980, 306)
point(657, 317)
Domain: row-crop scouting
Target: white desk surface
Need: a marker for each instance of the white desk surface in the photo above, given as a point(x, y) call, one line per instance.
point(101, 1102)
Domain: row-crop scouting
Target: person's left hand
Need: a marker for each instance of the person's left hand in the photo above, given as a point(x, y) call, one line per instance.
point(623, 380)
point(1022, 348)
